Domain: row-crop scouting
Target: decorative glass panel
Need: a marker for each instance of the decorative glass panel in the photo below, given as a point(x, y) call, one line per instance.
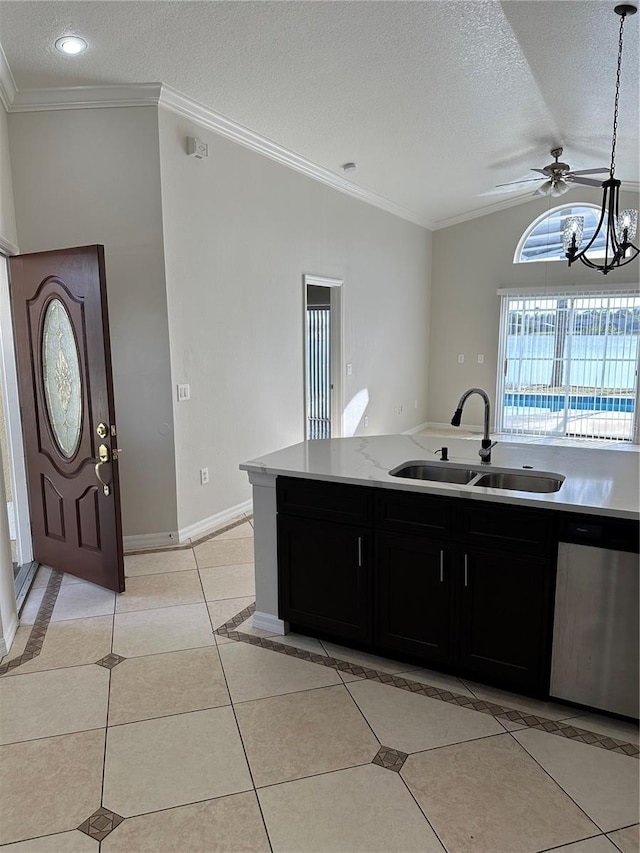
point(61, 377)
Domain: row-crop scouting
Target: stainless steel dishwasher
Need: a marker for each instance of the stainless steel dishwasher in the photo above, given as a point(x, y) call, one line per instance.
point(595, 634)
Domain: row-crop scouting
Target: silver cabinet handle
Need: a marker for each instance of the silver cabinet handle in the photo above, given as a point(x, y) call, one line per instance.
point(360, 552)
point(466, 570)
point(441, 566)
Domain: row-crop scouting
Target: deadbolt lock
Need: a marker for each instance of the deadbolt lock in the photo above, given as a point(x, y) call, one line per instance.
point(102, 430)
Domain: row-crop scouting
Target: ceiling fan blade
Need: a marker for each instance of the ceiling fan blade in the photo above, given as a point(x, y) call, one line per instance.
point(589, 171)
point(515, 183)
point(587, 182)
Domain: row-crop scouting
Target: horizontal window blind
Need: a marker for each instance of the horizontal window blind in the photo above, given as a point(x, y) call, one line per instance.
point(568, 364)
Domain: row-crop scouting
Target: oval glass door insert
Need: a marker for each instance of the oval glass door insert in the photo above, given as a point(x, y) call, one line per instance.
point(61, 377)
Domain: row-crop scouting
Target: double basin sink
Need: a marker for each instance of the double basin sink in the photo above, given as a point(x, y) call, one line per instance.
point(464, 475)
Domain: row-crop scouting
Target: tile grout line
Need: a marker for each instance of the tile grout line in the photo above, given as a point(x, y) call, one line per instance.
point(529, 721)
point(555, 781)
point(422, 811)
point(235, 717)
point(579, 841)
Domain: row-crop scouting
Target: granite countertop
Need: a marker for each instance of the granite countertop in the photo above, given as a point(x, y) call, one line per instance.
point(601, 482)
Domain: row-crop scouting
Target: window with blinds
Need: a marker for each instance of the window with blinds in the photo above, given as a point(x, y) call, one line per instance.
point(568, 364)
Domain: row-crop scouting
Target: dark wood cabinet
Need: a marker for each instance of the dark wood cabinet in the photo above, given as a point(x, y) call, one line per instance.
point(324, 576)
point(413, 596)
point(504, 617)
point(460, 584)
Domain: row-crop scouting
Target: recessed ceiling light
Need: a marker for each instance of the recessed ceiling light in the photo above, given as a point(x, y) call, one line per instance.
point(71, 45)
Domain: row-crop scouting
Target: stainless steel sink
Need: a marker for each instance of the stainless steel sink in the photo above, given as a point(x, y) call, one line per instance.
point(518, 481)
point(462, 475)
point(439, 474)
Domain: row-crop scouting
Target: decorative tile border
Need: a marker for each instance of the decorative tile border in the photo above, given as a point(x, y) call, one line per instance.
point(40, 625)
point(500, 712)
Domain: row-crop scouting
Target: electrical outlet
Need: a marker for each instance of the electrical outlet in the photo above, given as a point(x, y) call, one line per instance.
point(480, 358)
point(366, 421)
point(349, 369)
point(204, 476)
point(460, 358)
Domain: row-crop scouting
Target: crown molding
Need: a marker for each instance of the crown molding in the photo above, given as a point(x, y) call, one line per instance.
point(85, 97)
point(8, 88)
point(157, 94)
point(7, 247)
point(184, 106)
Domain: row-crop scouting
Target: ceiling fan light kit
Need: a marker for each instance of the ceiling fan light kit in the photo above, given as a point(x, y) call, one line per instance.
point(620, 226)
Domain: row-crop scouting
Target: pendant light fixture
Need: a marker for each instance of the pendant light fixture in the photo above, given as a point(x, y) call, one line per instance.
point(620, 225)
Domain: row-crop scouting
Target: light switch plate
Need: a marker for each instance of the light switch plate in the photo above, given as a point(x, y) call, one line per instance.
point(184, 393)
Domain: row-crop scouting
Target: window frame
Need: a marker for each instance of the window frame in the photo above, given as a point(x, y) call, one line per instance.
point(507, 294)
point(517, 259)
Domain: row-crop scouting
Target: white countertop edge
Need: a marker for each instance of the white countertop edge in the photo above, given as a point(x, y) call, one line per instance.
point(551, 501)
point(604, 484)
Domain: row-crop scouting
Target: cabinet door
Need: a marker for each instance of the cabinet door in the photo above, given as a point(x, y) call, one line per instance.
point(505, 603)
point(413, 596)
point(323, 576)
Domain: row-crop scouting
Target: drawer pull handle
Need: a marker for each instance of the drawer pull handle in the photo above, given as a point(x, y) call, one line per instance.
point(359, 552)
point(466, 570)
point(441, 566)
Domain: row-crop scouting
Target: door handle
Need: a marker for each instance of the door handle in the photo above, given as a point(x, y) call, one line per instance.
point(104, 458)
point(359, 552)
point(441, 566)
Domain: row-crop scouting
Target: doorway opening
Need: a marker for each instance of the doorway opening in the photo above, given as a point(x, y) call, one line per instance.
point(14, 472)
point(322, 357)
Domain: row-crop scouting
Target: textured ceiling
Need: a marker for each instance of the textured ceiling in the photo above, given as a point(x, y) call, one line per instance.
point(435, 101)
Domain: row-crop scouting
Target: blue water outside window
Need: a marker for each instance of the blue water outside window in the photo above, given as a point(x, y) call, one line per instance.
point(569, 364)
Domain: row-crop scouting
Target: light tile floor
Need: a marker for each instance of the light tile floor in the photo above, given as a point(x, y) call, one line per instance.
point(186, 740)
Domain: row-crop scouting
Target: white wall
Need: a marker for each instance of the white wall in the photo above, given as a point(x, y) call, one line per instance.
point(239, 233)
point(93, 176)
point(7, 212)
point(470, 262)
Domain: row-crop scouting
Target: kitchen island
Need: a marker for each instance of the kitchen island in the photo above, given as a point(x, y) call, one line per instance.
point(438, 572)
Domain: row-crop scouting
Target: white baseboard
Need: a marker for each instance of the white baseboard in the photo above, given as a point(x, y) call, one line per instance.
point(207, 525)
point(7, 639)
point(415, 429)
point(192, 531)
point(268, 622)
point(150, 540)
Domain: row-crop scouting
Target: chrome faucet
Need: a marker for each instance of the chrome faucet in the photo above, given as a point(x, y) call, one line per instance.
point(487, 444)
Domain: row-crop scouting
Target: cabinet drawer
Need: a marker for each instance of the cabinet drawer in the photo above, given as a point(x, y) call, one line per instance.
point(329, 501)
point(508, 528)
point(412, 512)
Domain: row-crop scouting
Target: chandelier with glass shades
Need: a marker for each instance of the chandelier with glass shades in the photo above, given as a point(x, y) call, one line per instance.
point(620, 225)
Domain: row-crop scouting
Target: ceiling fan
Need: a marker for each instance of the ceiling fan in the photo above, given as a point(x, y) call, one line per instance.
point(559, 178)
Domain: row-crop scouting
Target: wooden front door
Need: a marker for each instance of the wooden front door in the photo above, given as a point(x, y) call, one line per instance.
point(66, 392)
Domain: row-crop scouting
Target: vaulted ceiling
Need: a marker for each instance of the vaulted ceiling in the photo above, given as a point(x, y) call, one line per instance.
point(436, 102)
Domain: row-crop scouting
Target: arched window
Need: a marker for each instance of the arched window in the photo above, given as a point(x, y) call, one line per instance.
point(542, 241)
